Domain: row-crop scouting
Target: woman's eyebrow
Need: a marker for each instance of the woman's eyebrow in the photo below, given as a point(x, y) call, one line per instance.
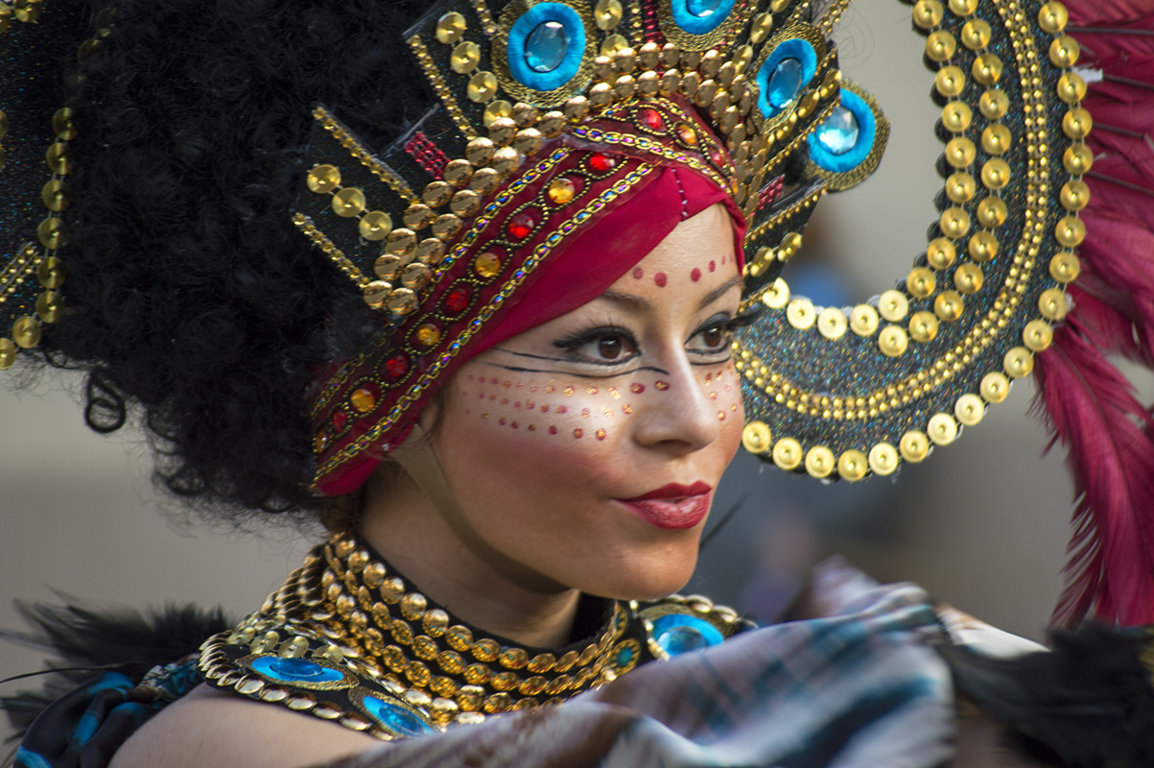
point(718, 292)
point(637, 303)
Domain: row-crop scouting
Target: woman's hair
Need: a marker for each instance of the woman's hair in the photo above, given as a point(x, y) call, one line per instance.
point(189, 293)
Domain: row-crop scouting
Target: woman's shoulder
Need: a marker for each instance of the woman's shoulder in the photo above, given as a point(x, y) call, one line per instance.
point(211, 727)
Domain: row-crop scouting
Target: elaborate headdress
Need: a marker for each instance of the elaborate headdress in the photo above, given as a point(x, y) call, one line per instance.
point(550, 115)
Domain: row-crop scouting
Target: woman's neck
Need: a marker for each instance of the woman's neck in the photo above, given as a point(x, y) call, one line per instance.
point(463, 574)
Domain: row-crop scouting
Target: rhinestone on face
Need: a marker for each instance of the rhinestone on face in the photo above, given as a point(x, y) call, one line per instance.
point(839, 133)
point(546, 46)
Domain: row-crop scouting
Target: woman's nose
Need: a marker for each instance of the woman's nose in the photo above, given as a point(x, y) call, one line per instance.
point(677, 414)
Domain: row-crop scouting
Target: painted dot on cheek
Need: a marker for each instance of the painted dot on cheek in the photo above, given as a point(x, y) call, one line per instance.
point(577, 433)
point(638, 273)
point(660, 279)
point(712, 266)
point(501, 421)
point(552, 430)
point(515, 425)
point(549, 389)
point(637, 389)
point(695, 275)
point(607, 412)
point(600, 434)
point(613, 393)
point(569, 391)
point(708, 377)
point(661, 385)
point(532, 427)
point(562, 409)
point(592, 390)
point(585, 412)
point(544, 409)
point(627, 409)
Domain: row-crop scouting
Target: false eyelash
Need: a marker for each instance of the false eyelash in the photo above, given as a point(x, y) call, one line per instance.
point(746, 318)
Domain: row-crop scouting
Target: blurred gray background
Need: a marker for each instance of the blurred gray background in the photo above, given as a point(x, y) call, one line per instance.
point(983, 523)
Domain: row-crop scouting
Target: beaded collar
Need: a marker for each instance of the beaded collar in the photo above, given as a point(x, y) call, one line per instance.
point(346, 638)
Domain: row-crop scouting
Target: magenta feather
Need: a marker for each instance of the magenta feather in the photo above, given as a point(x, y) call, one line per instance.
point(1092, 408)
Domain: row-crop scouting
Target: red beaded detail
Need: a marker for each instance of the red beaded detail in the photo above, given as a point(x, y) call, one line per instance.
point(340, 419)
point(456, 300)
point(397, 366)
point(600, 163)
point(521, 225)
point(651, 119)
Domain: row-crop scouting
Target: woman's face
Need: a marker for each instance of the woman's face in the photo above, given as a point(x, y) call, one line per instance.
point(586, 451)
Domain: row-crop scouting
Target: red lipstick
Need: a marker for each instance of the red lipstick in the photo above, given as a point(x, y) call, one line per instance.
point(673, 506)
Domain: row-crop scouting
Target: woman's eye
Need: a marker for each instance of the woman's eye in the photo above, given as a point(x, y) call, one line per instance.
point(715, 337)
point(613, 348)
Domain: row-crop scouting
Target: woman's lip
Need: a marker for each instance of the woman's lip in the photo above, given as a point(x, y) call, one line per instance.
point(673, 506)
point(674, 491)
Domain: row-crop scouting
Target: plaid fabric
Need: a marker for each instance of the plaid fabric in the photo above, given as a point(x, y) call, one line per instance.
point(862, 687)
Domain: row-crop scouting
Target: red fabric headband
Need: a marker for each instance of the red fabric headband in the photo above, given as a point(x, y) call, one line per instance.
point(585, 268)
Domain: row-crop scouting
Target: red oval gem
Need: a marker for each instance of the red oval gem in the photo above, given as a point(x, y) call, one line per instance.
point(521, 225)
point(601, 163)
point(340, 418)
point(651, 119)
point(456, 300)
point(397, 366)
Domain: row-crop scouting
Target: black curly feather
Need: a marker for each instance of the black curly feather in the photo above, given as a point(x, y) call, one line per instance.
point(82, 641)
point(1087, 703)
point(189, 293)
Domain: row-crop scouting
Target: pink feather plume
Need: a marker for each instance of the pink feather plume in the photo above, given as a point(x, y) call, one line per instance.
point(1091, 406)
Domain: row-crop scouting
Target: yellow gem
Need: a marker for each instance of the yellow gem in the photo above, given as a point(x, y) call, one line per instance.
point(920, 282)
point(1052, 17)
point(348, 202)
point(893, 305)
point(561, 191)
point(428, 335)
point(996, 139)
point(948, 306)
point(943, 430)
point(1018, 362)
point(482, 86)
point(950, 81)
point(923, 327)
point(787, 453)
point(1070, 231)
point(983, 246)
point(819, 461)
point(893, 341)
point(375, 225)
point(914, 446)
point(487, 265)
point(883, 459)
point(994, 387)
point(465, 57)
point(1064, 267)
point(756, 437)
point(969, 409)
point(956, 116)
point(608, 14)
point(1052, 304)
point(994, 104)
point(986, 69)
point(863, 320)
point(324, 178)
point(450, 28)
point(852, 466)
point(1037, 335)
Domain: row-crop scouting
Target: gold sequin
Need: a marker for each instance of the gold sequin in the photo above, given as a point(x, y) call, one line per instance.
point(375, 225)
point(994, 387)
point(883, 459)
point(450, 28)
point(819, 461)
point(914, 446)
point(852, 465)
point(1018, 362)
point(787, 453)
point(323, 179)
point(756, 437)
point(348, 202)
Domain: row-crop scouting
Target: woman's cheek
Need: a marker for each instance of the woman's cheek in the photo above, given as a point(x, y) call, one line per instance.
point(552, 410)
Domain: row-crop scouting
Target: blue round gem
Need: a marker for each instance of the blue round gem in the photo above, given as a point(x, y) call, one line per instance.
point(394, 717)
point(839, 132)
point(546, 46)
point(624, 657)
point(677, 633)
point(785, 82)
point(295, 670)
point(702, 8)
